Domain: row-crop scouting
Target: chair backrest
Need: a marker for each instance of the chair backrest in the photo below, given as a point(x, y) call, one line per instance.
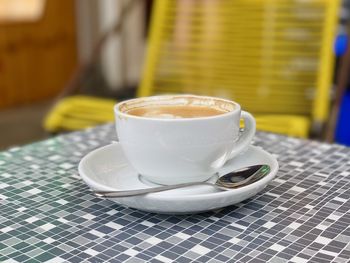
point(272, 56)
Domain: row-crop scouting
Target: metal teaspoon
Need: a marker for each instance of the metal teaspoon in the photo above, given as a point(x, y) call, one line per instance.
point(234, 179)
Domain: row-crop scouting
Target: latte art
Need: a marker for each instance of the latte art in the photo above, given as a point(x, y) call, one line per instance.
point(175, 112)
point(156, 114)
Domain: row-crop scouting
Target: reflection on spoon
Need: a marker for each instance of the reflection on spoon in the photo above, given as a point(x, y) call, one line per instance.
point(232, 180)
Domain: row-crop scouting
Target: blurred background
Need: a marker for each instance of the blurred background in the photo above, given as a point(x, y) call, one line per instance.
point(64, 63)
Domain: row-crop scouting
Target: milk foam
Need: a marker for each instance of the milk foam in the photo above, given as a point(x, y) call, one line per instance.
point(160, 115)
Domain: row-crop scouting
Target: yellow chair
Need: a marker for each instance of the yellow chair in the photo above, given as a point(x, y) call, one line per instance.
point(272, 56)
point(79, 112)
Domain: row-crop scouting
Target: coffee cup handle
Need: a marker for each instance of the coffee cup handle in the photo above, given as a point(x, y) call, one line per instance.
point(246, 136)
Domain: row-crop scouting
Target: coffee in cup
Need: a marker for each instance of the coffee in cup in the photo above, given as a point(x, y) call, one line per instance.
point(175, 112)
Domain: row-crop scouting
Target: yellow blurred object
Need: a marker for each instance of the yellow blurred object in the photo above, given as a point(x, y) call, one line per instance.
point(79, 112)
point(274, 56)
point(291, 125)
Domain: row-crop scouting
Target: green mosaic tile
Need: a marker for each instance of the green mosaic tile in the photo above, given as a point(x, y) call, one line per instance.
point(44, 257)
point(21, 258)
point(7, 251)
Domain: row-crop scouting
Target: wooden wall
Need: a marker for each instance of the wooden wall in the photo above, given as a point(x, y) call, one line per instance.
point(37, 58)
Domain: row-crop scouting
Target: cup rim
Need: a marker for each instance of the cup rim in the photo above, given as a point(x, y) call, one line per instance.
point(117, 110)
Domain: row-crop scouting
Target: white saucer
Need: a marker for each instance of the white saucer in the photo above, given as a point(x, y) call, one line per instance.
point(107, 169)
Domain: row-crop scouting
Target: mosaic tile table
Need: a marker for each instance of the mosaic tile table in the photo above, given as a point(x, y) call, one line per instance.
point(47, 214)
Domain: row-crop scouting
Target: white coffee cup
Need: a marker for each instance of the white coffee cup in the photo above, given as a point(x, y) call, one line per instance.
point(171, 151)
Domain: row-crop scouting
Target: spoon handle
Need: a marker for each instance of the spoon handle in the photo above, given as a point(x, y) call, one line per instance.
point(144, 191)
